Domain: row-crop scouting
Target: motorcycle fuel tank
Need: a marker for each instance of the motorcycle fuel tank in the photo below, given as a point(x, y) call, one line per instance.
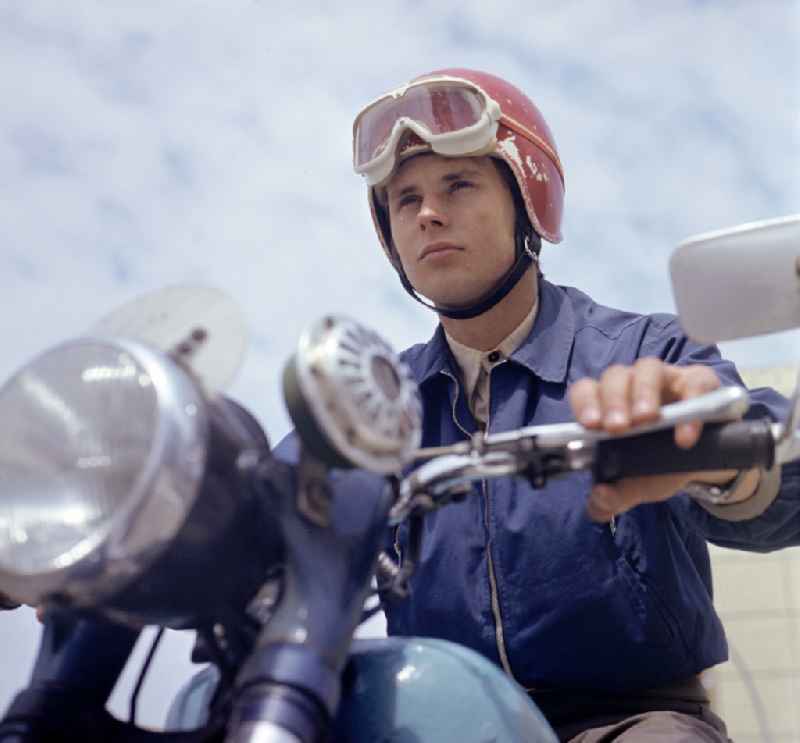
point(409, 690)
point(416, 690)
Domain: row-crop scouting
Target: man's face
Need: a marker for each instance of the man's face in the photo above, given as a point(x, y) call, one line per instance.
point(452, 222)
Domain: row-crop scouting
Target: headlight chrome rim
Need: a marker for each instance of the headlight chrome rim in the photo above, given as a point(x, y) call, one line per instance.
point(137, 529)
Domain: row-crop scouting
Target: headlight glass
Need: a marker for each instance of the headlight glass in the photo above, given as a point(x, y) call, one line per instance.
point(77, 426)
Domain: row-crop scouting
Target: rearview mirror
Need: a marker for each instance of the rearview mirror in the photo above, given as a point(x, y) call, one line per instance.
point(739, 282)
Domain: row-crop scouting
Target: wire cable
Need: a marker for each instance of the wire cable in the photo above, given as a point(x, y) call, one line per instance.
point(142, 674)
point(755, 697)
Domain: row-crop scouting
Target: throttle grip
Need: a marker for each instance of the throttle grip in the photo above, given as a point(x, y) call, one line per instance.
point(735, 445)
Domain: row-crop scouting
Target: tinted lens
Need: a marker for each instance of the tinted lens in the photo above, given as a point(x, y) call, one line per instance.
point(440, 108)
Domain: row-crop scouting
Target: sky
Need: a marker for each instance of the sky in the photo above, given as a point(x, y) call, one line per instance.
point(150, 144)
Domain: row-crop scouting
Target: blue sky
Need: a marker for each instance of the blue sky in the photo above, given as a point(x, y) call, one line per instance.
point(147, 144)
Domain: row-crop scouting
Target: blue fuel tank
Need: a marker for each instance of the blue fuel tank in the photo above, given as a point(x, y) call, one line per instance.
point(409, 690)
point(419, 690)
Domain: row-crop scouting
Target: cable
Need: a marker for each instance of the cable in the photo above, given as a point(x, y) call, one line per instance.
point(758, 703)
point(142, 674)
point(370, 611)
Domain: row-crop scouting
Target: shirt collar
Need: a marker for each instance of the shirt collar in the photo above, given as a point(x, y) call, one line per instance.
point(545, 351)
point(471, 359)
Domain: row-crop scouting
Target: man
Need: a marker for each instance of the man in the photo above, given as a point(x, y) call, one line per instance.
point(600, 608)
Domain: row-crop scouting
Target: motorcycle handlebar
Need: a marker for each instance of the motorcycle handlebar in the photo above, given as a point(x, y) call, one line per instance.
point(542, 452)
point(737, 445)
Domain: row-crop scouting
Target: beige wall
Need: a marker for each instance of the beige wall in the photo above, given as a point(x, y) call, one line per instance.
point(758, 598)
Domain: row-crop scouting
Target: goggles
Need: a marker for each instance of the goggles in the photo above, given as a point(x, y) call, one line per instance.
point(453, 116)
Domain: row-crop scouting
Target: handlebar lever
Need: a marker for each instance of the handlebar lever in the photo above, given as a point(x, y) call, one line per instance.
point(542, 452)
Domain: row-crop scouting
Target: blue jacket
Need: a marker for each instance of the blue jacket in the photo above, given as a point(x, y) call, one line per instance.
point(523, 572)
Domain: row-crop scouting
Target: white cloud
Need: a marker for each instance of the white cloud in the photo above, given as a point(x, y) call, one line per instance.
point(145, 144)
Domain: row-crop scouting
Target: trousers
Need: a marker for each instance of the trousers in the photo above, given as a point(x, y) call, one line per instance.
point(655, 727)
point(673, 714)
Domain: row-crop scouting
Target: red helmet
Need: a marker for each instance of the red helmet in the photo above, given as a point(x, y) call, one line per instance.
point(487, 116)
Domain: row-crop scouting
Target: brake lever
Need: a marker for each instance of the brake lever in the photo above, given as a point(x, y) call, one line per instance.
point(723, 404)
point(541, 452)
point(446, 478)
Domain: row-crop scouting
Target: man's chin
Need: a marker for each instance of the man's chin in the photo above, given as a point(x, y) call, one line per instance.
point(452, 297)
point(456, 301)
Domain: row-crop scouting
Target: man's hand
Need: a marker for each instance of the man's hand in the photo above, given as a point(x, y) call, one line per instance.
point(627, 396)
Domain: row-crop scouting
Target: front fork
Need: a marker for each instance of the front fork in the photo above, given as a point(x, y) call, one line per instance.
point(288, 690)
point(77, 667)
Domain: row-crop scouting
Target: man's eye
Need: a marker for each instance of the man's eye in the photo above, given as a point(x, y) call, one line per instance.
point(456, 185)
point(405, 200)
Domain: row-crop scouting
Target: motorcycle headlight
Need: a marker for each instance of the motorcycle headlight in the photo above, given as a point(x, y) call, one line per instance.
point(102, 449)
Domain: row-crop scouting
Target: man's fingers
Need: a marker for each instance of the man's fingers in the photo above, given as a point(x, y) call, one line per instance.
point(584, 399)
point(691, 381)
point(633, 395)
point(688, 434)
point(607, 500)
point(647, 390)
point(688, 382)
point(603, 504)
point(615, 397)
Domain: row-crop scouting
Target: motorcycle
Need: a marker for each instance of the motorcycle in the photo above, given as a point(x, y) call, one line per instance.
point(136, 493)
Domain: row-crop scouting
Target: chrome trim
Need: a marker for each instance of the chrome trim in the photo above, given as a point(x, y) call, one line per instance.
point(261, 731)
point(787, 447)
point(442, 475)
point(786, 434)
point(723, 404)
point(158, 502)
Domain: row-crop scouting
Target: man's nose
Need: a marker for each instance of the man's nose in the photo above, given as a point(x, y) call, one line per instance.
point(431, 214)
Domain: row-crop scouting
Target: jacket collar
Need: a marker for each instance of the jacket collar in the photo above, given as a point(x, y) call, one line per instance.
point(545, 352)
point(548, 347)
point(429, 360)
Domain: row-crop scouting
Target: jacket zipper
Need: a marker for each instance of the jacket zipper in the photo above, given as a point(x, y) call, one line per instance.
point(498, 617)
point(495, 599)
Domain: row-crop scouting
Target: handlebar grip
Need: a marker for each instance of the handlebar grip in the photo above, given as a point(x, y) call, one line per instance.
point(736, 445)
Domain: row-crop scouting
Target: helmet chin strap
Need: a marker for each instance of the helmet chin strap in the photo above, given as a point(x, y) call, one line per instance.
point(525, 258)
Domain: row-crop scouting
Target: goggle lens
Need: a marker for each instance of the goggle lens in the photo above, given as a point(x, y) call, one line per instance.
point(441, 108)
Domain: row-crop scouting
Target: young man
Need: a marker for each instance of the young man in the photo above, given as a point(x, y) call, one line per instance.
point(601, 610)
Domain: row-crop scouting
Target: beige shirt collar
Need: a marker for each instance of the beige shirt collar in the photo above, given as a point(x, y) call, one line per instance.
point(471, 360)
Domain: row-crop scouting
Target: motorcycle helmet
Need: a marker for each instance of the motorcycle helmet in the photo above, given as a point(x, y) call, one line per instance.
point(456, 113)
